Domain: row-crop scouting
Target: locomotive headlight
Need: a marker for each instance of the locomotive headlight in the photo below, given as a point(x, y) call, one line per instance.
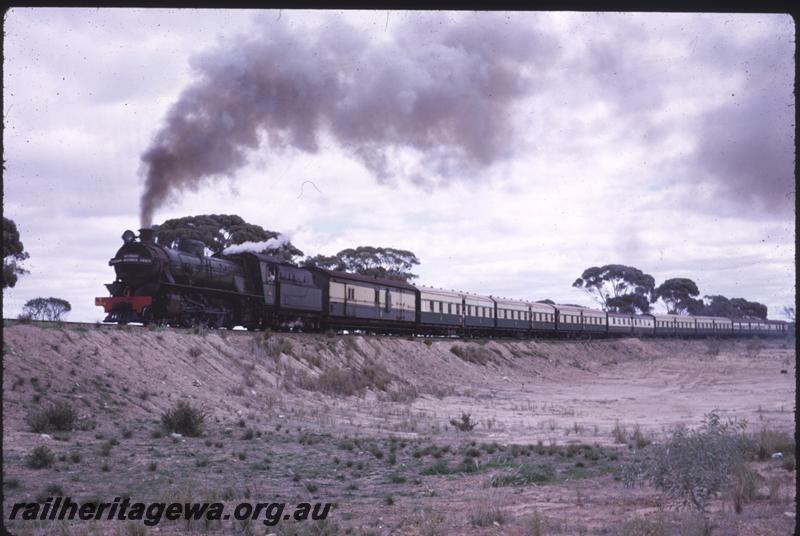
point(128, 236)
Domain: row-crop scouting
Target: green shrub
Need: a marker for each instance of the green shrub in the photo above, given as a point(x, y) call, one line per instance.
point(525, 474)
point(767, 442)
point(40, 457)
point(693, 465)
point(184, 419)
point(643, 527)
point(58, 417)
point(438, 468)
point(486, 515)
point(472, 354)
point(465, 424)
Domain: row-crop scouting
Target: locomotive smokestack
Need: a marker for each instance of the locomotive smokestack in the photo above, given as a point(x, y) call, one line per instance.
point(146, 235)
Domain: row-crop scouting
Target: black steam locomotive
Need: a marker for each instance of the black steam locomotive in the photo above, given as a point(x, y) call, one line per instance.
point(184, 287)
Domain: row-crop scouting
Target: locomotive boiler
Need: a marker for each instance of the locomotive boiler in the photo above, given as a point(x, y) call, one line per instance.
point(180, 286)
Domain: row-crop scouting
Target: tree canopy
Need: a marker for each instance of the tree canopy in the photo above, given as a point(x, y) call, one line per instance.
point(678, 295)
point(13, 253)
point(218, 231)
point(718, 305)
point(618, 288)
point(45, 309)
point(383, 262)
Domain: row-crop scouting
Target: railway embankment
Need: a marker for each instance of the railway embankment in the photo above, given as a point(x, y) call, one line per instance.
point(133, 374)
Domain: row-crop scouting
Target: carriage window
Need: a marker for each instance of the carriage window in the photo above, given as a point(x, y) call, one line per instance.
point(432, 309)
point(377, 296)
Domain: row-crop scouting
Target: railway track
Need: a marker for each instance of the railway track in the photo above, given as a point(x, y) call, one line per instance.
point(47, 324)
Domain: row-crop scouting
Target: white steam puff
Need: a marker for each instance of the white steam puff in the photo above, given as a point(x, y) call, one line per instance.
point(257, 247)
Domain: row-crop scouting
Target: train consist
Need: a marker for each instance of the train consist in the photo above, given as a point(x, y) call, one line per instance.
point(185, 287)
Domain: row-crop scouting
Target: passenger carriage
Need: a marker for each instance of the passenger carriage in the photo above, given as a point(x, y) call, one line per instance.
point(620, 323)
point(740, 326)
point(594, 321)
point(512, 315)
point(364, 301)
point(478, 312)
point(568, 318)
point(685, 326)
point(776, 328)
point(543, 317)
point(704, 325)
point(441, 309)
point(723, 326)
point(644, 325)
point(665, 324)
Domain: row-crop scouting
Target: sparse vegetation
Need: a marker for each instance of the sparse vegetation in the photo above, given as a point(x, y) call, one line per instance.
point(639, 440)
point(486, 515)
point(465, 424)
point(184, 419)
point(347, 382)
point(694, 464)
point(619, 433)
point(641, 526)
point(472, 354)
point(59, 417)
point(524, 475)
point(40, 457)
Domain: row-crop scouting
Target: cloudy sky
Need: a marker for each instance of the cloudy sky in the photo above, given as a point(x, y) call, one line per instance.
point(508, 151)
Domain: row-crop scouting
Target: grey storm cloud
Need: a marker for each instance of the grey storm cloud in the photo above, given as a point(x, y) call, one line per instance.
point(746, 144)
point(743, 140)
point(436, 90)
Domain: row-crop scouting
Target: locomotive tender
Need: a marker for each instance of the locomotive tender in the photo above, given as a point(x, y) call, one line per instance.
point(185, 287)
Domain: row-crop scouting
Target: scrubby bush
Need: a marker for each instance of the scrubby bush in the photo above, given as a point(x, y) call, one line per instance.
point(643, 527)
point(40, 457)
point(58, 417)
point(525, 474)
point(768, 442)
point(184, 419)
point(694, 464)
point(349, 382)
point(466, 424)
point(486, 515)
point(472, 354)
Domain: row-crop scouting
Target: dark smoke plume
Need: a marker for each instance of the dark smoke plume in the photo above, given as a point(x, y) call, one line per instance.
point(436, 92)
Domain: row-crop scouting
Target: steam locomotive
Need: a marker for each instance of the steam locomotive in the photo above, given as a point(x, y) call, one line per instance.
point(184, 287)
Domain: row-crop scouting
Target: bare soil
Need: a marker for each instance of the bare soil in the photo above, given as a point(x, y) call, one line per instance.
point(364, 422)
